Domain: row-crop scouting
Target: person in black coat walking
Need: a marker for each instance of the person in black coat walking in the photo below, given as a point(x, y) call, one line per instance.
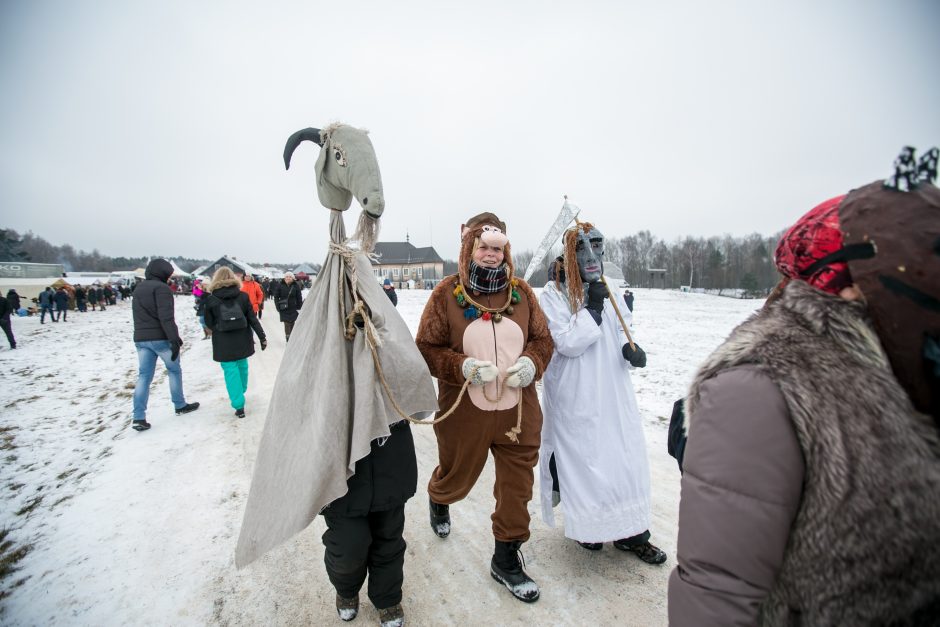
point(14, 299)
point(232, 319)
point(5, 311)
point(61, 299)
point(156, 335)
point(288, 301)
point(364, 527)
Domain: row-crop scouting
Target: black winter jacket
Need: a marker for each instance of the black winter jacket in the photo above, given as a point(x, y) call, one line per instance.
point(14, 299)
point(385, 478)
point(153, 308)
point(5, 309)
point(294, 300)
point(237, 344)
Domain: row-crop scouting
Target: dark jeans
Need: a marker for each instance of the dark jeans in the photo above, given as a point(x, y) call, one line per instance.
point(42, 314)
point(8, 329)
point(360, 544)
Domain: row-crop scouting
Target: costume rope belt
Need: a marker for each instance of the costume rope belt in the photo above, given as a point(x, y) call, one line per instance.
point(360, 313)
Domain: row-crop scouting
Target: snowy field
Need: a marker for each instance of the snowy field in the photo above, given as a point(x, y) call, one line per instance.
point(140, 528)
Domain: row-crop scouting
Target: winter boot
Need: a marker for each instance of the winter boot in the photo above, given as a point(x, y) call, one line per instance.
point(507, 570)
point(392, 616)
point(140, 425)
point(185, 409)
point(644, 550)
point(440, 518)
point(240, 412)
point(347, 609)
point(592, 546)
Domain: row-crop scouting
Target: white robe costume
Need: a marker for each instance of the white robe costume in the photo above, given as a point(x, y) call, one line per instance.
point(592, 426)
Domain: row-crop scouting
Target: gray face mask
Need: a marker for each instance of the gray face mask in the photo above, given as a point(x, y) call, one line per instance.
point(590, 254)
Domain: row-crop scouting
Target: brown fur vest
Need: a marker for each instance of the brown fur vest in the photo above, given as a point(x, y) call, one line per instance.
point(865, 545)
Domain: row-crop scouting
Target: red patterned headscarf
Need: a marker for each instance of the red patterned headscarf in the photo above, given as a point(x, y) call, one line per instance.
point(814, 237)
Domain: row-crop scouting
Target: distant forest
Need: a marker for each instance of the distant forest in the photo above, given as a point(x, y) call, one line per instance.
point(32, 248)
point(712, 263)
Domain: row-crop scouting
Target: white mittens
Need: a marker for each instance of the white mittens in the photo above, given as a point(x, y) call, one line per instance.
point(520, 373)
point(485, 373)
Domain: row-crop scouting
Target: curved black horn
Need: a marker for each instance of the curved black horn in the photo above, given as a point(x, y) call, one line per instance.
point(312, 134)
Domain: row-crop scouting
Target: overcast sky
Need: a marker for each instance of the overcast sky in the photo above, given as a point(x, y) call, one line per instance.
point(142, 128)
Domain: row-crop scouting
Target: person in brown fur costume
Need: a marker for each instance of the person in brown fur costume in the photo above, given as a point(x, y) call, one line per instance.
point(812, 467)
point(484, 325)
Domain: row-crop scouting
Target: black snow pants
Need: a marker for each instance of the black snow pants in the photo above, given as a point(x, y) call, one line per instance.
point(8, 329)
point(370, 544)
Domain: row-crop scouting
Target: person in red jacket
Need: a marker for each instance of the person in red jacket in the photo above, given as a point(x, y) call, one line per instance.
point(254, 291)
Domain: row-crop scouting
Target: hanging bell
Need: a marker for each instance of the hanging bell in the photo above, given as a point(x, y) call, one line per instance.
point(509, 310)
point(497, 317)
point(462, 302)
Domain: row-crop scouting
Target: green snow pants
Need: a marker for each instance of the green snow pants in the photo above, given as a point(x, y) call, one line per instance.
point(236, 381)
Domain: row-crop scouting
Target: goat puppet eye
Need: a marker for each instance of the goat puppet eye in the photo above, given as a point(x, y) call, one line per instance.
point(340, 157)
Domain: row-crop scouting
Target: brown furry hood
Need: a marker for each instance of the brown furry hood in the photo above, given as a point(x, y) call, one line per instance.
point(223, 283)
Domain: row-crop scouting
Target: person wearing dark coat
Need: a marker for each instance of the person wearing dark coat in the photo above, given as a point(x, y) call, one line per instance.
point(288, 301)
point(92, 297)
point(364, 527)
point(80, 296)
point(14, 299)
point(232, 348)
point(6, 309)
point(46, 303)
point(156, 335)
point(390, 291)
point(61, 299)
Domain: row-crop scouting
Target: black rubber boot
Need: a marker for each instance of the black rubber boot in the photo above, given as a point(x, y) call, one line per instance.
point(440, 518)
point(507, 570)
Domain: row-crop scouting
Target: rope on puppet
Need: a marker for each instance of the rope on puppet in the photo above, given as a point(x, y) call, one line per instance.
point(360, 313)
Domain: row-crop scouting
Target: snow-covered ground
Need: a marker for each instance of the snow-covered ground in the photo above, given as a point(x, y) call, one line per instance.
point(140, 528)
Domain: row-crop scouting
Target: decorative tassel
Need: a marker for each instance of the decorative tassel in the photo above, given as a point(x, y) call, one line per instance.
point(486, 316)
point(470, 313)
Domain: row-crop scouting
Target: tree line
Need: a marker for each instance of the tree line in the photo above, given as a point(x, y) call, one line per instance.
point(725, 262)
point(34, 249)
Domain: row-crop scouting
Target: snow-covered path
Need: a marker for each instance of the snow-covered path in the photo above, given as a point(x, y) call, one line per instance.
point(140, 528)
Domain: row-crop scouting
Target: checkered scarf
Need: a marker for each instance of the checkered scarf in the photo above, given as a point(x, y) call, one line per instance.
point(487, 280)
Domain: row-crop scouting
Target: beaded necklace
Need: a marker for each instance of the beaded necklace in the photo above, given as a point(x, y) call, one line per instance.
point(473, 309)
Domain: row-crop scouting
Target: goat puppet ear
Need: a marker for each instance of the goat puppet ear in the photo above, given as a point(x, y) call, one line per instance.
point(309, 134)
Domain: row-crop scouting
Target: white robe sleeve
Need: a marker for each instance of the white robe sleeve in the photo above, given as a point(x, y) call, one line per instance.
point(573, 333)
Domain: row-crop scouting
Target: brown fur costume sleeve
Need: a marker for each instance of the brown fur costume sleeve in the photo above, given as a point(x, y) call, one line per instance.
point(433, 338)
point(540, 346)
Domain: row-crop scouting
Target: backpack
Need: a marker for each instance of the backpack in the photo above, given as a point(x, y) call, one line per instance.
point(231, 316)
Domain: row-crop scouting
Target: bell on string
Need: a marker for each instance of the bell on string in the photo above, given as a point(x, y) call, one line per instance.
point(462, 302)
point(515, 299)
point(497, 317)
point(509, 310)
point(479, 313)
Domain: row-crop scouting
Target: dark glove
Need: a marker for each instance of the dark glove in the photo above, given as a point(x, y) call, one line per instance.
point(637, 358)
point(597, 292)
point(264, 344)
point(175, 351)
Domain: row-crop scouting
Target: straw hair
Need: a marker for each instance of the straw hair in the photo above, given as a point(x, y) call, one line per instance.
point(572, 271)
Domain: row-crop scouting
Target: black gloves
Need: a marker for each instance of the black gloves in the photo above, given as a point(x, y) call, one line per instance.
point(264, 344)
point(597, 292)
point(175, 351)
point(637, 358)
